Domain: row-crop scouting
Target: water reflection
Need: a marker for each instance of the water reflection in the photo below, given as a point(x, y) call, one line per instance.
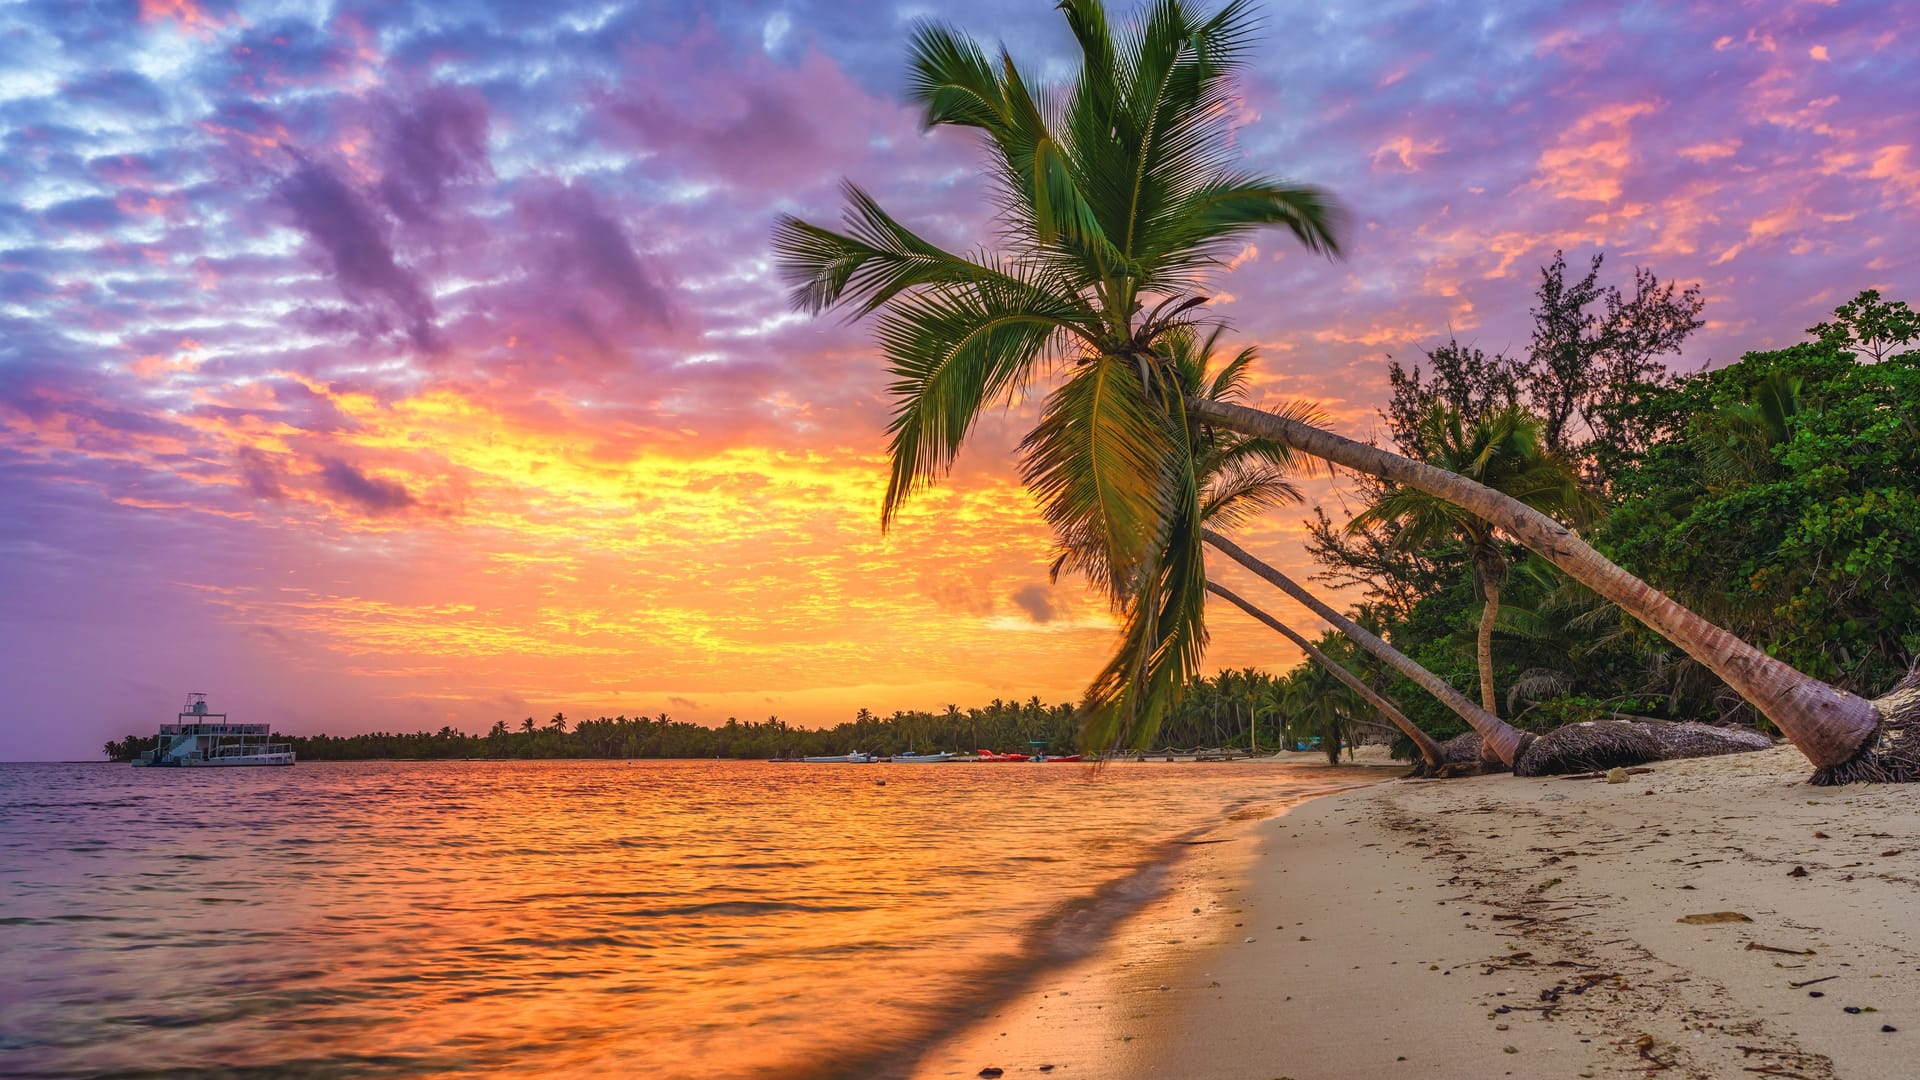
point(709, 919)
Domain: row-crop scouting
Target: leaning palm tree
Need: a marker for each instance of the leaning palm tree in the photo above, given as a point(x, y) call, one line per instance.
point(1431, 753)
point(1505, 452)
point(1239, 477)
point(1501, 741)
point(1116, 197)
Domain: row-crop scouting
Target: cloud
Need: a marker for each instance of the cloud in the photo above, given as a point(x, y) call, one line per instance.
point(1036, 602)
point(368, 494)
point(355, 243)
point(437, 140)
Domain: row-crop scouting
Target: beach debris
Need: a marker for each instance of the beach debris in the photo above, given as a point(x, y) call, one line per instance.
point(992, 1071)
point(1821, 836)
point(1816, 993)
point(1616, 775)
point(1713, 917)
point(1046, 1068)
point(1754, 946)
point(1645, 1045)
point(1798, 871)
point(1888, 1028)
point(1811, 982)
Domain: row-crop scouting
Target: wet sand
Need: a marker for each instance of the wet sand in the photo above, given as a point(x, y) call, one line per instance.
point(1505, 927)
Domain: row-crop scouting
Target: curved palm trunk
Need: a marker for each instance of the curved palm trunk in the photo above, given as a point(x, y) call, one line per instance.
point(1429, 750)
point(1490, 608)
point(1828, 724)
point(1502, 738)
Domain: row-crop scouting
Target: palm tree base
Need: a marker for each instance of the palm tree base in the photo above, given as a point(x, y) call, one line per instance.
point(1892, 756)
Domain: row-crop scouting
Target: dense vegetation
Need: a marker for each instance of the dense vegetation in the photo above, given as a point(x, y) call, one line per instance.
point(1776, 496)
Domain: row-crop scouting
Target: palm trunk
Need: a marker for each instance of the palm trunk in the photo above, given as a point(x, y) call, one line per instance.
point(1828, 724)
point(1502, 738)
point(1490, 608)
point(1429, 750)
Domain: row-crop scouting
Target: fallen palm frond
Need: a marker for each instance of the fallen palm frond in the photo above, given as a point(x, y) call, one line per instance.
point(1608, 744)
point(1597, 745)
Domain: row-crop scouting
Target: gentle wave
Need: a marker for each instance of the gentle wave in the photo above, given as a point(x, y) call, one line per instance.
point(672, 919)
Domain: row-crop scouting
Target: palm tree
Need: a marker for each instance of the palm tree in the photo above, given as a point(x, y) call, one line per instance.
point(1319, 704)
point(1430, 751)
point(1116, 197)
point(1834, 729)
point(1120, 194)
point(1504, 451)
point(1499, 739)
point(1237, 478)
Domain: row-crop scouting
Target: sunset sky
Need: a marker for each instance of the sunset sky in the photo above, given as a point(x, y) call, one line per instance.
point(392, 366)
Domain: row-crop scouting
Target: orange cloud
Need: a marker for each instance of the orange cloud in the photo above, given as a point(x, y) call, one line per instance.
point(1591, 161)
point(1404, 153)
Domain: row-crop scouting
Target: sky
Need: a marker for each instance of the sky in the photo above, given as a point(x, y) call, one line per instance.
point(374, 366)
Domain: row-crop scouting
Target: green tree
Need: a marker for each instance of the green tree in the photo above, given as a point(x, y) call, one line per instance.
point(1504, 451)
point(1870, 326)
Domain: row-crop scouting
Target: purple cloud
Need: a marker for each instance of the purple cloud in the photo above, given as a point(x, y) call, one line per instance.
point(355, 242)
point(369, 495)
point(440, 139)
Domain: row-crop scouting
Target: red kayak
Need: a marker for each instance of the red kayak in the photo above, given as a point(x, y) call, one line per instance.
point(988, 755)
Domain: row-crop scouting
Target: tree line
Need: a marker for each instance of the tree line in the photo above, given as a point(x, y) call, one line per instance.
point(1219, 713)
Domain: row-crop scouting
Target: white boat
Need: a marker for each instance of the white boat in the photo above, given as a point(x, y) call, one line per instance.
point(199, 739)
point(855, 758)
point(920, 759)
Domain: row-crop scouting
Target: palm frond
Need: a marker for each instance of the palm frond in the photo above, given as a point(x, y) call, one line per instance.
point(953, 352)
point(1098, 463)
point(953, 82)
point(1242, 492)
point(875, 260)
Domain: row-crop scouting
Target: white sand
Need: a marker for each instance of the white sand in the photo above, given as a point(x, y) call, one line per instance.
point(1388, 924)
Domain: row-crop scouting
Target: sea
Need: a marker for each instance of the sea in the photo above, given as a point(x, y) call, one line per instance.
point(660, 919)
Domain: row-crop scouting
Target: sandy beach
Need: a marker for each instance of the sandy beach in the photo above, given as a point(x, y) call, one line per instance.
point(1505, 927)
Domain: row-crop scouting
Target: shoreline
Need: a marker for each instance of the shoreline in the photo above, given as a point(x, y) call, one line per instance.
point(1499, 926)
point(1083, 1017)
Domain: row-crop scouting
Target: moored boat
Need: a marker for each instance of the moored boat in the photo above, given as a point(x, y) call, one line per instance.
point(921, 759)
point(856, 758)
point(1043, 758)
point(988, 755)
point(200, 739)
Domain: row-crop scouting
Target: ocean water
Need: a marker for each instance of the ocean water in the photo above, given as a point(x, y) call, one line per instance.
point(657, 919)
